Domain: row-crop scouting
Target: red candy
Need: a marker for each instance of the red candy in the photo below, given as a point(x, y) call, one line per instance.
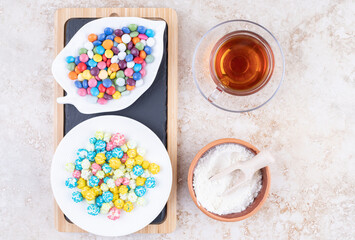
point(138, 60)
point(81, 67)
point(104, 58)
point(108, 63)
point(102, 88)
point(111, 90)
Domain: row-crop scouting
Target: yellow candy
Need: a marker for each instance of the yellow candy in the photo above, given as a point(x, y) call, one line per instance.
point(119, 203)
point(116, 95)
point(115, 197)
point(113, 75)
point(99, 135)
point(80, 77)
point(81, 183)
point(128, 206)
point(145, 164)
point(100, 158)
point(114, 163)
point(138, 160)
point(97, 190)
point(114, 190)
point(90, 195)
point(101, 95)
point(124, 148)
point(140, 181)
point(85, 190)
point(132, 153)
point(109, 53)
point(109, 71)
point(87, 75)
point(154, 168)
point(97, 58)
point(103, 74)
point(123, 189)
point(129, 163)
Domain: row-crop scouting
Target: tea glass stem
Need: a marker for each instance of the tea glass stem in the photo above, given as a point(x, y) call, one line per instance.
point(214, 95)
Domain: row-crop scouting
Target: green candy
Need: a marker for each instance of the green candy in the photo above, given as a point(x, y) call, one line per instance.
point(134, 34)
point(121, 89)
point(120, 74)
point(71, 66)
point(149, 59)
point(128, 52)
point(133, 27)
point(125, 93)
point(139, 46)
point(94, 50)
point(83, 50)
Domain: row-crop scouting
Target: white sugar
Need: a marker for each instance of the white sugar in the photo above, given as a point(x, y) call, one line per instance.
point(210, 193)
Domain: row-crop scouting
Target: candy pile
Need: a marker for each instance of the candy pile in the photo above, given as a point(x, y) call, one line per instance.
point(111, 175)
point(111, 64)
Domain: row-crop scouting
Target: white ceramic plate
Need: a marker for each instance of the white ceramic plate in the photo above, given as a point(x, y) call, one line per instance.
point(141, 216)
point(60, 71)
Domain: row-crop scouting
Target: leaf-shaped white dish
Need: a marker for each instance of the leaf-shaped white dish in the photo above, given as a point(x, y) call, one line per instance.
point(60, 71)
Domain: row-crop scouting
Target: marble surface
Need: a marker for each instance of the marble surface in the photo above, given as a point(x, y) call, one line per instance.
point(309, 126)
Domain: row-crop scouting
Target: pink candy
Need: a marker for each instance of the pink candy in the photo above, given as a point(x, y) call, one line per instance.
point(118, 181)
point(118, 139)
point(95, 168)
point(89, 91)
point(82, 92)
point(125, 181)
point(109, 146)
point(102, 101)
point(101, 65)
point(128, 72)
point(143, 64)
point(92, 82)
point(83, 57)
point(142, 36)
point(142, 72)
point(114, 213)
point(124, 158)
point(76, 174)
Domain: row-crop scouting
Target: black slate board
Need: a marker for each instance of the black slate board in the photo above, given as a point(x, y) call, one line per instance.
point(150, 109)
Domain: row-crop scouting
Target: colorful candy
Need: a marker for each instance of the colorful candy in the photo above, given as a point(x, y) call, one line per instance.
point(109, 173)
point(107, 59)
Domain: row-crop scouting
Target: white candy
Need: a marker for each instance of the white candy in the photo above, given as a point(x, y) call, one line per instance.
point(144, 42)
point(126, 38)
point(127, 175)
point(111, 183)
point(86, 174)
point(132, 196)
point(132, 183)
point(146, 174)
point(107, 137)
point(125, 93)
point(89, 45)
point(122, 47)
point(123, 196)
point(90, 54)
point(90, 202)
point(80, 77)
point(130, 64)
point(140, 201)
point(90, 147)
point(121, 55)
point(134, 176)
point(85, 164)
point(122, 167)
point(120, 82)
point(150, 42)
point(91, 99)
point(139, 83)
point(124, 148)
point(140, 151)
point(104, 187)
point(114, 59)
point(131, 144)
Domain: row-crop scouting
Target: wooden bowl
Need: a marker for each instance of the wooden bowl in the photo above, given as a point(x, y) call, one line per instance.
point(253, 207)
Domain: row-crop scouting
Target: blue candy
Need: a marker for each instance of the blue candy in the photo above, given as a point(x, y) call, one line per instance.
point(115, 43)
point(150, 182)
point(107, 196)
point(117, 152)
point(128, 187)
point(126, 30)
point(137, 76)
point(78, 84)
point(92, 63)
point(92, 140)
point(85, 83)
point(106, 168)
point(150, 33)
point(99, 145)
point(138, 170)
point(78, 164)
point(71, 182)
point(141, 29)
point(77, 60)
point(148, 50)
point(100, 50)
point(91, 156)
point(111, 37)
point(108, 31)
point(101, 37)
point(108, 155)
point(129, 58)
point(82, 153)
point(77, 197)
point(107, 83)
point(99, 201)
point(140, 191)
point(93, 209)
point(137, 67)
point(88, 67)
point(69, 59)
point(106, 179)
point(93, 181)
point(78, 167)
point(97, 43)
point(94, 91)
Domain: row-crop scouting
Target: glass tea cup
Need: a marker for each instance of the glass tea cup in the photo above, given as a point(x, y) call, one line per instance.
point(238, 66)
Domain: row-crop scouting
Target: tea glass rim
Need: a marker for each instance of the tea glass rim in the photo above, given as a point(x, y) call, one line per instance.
point(195, 53)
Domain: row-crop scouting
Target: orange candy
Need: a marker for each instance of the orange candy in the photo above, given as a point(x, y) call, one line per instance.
point(73, 75)
point(114, 67)
point(142, 54)
point(135, 40)
point(107, 44)
point(92, 37)
point(77, 70)
point(118, 40)
point(129, 87)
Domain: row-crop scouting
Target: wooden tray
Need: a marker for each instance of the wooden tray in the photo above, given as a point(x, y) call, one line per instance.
point(169, 15)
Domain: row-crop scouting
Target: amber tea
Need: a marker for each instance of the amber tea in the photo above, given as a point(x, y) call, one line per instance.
point(241, 63)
